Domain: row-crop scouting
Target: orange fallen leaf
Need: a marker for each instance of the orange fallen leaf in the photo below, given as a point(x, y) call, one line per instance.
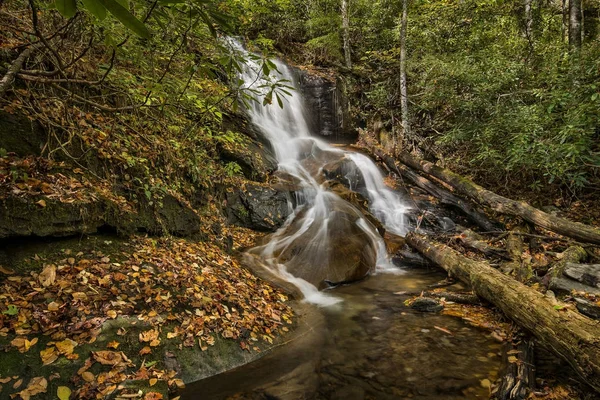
point(153, 396)
point(113, 345)
point(153, 381)
point(145, 350)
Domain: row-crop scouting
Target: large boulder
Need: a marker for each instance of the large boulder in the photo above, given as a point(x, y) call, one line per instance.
point(328, 244)
point(258, 207)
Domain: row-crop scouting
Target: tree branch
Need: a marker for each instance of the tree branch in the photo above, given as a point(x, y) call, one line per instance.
point(15, 67)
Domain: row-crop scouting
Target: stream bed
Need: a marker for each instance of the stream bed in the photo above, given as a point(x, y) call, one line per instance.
point(369, 346)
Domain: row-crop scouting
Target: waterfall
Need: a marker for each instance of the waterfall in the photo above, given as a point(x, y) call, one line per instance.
point(326, 239)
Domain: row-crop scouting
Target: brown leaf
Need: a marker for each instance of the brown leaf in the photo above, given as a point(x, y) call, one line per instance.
point(153, 396)
point(41, 203)
point(88, 376)
point(145, 350)
point(36, 386)
point(48, 276)
point(6, 271)
point(107, 357)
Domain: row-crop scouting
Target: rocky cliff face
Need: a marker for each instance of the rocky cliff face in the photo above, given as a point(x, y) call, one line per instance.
point(325, 103)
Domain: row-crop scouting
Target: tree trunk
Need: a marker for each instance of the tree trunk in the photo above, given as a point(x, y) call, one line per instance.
point(575, 24)
point(529, 22)
point(346, 33)
point(573, 337)
point(576, 230)
point(403, 84)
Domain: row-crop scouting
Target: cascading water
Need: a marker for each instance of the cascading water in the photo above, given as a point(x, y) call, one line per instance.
point(326, 239)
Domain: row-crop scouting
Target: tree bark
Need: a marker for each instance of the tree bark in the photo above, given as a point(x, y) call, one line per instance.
point(575, 24)
point(529, 22)
point(346, 33)
point(15, 67)
point(519, 376)
point(440, 193)
point(403, 83)
point(465, 187)
point(573, 337)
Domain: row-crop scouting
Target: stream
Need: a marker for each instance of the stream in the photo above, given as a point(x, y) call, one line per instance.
point(358, 340)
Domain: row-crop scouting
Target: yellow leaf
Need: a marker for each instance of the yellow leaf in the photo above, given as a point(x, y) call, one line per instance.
point(80, 296)
point(113, 345)
point(153, 381)
point(66, 347)
point(41, 203)
point(63, 393)
point(49, 355)
point(53, 306)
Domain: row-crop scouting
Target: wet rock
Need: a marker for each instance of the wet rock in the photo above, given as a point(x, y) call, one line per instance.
point(350, 392)
point(23, 216)
point(427, 304)
point(357, 200)
point(258, 207)
point(325, 104)
point(256, 161)
point(330, 253)
point(20, 135)
point(345, 172)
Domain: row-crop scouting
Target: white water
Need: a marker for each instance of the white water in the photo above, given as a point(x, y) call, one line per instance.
point(304, 249)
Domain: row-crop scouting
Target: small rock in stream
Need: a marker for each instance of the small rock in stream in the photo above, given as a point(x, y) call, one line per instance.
point(427, 304)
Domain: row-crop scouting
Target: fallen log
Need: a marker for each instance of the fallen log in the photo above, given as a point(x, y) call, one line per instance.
point(570, 335)
point(588, 274)
point(438, 192)
point(519, 376)
point(476, 242)
point(468, 188)
point(408, 258)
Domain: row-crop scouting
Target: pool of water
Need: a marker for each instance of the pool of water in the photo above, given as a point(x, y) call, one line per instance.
point(369, 346)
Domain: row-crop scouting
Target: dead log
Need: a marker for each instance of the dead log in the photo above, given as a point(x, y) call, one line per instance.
point(438, 192)
point(407, 258)
point(588, 274)
point(476, 242)
point(554, 278)
point(519, 376)
point(587, 308)
point(468, 188)
point(454, 297)
point(560, 284)
point(573, 337)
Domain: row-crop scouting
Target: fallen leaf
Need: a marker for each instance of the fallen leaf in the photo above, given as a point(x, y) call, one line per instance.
point(36, 386)
point(6, 271)
point(153, 396)
point(66, 347)
point(79, 296)
point(63, 393)
point(49, 355)
point(53, 306)
point(106, 357)
point(486, 383)
point(145, 350)
point(148, 336)
point(88, 376)
point(48, 276)
point(153, 381)
point(41, 203)
point(443, 330)
point(113, 345)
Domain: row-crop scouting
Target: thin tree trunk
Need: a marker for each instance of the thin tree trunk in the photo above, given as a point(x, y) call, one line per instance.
point(403, 85)
point(575, 24)
point(346, 33)
point(529, 22)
